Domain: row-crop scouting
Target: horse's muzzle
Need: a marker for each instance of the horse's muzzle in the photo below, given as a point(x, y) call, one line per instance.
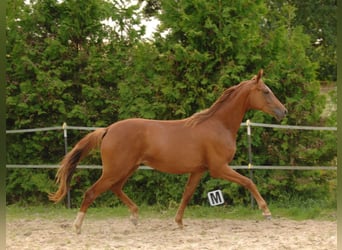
point(280, 113)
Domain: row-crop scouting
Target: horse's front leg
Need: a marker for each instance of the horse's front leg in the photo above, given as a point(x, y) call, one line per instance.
point(191, 185)
point(227, 173)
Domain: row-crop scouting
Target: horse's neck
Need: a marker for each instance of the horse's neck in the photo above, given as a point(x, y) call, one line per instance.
point(232, 112)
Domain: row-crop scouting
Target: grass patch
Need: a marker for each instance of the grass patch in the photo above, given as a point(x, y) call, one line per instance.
point(304, 213)
point(14, 212)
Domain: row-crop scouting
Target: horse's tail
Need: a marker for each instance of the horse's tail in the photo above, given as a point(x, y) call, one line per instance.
point(70, 161)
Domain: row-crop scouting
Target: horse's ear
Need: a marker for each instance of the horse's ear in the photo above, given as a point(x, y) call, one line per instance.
point(261, 72)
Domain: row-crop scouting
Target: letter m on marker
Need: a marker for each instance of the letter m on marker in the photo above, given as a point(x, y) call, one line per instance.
point(215, 198)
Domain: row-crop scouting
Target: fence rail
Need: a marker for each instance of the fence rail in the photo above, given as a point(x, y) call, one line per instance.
point(250, 166)
point(247, 124)
point(50, 166)
point(252, 124)
point(255, 124)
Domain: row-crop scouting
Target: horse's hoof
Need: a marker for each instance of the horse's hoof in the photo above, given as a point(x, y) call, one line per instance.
point(180, 224)
point(78, 222)
point(268, 217)
point(77, 229)
point(134, 220)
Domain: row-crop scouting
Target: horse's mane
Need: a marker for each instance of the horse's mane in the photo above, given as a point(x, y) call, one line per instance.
point(207, 113)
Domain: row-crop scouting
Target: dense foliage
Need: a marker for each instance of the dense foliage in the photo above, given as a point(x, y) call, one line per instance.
point(87, 63)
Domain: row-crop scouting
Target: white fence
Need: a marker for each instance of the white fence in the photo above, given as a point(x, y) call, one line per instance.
point(247, 124)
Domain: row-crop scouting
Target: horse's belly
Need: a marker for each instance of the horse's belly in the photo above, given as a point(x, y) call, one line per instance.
point(176, 161)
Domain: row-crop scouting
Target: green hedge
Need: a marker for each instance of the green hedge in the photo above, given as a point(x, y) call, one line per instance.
point(150, 187)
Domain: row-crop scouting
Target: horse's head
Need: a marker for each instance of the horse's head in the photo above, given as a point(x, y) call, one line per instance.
point(262, 98)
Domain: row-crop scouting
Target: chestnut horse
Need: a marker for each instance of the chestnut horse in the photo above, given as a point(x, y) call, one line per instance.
point(206, 141)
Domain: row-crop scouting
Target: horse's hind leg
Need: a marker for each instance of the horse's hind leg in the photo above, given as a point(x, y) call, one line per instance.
point(117, 190)
point(128, 202)
point(100, 186)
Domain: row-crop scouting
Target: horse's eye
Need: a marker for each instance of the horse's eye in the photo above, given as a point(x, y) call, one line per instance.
point(266, 91)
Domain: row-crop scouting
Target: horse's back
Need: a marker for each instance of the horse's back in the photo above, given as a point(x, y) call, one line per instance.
point(124, 133)
point(169, 146)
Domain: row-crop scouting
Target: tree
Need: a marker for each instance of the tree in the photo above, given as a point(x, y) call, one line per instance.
point(319, 20)
point(63, 65)
point(212, 45)
point(66, 64)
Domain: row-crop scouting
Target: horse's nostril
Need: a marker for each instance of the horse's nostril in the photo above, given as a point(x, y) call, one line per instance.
point(285, 111)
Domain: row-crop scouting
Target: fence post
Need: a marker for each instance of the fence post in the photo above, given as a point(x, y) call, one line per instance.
point(249, 139)
point(65, 152)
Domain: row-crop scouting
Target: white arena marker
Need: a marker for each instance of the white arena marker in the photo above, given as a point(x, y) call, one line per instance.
point(215, 198)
